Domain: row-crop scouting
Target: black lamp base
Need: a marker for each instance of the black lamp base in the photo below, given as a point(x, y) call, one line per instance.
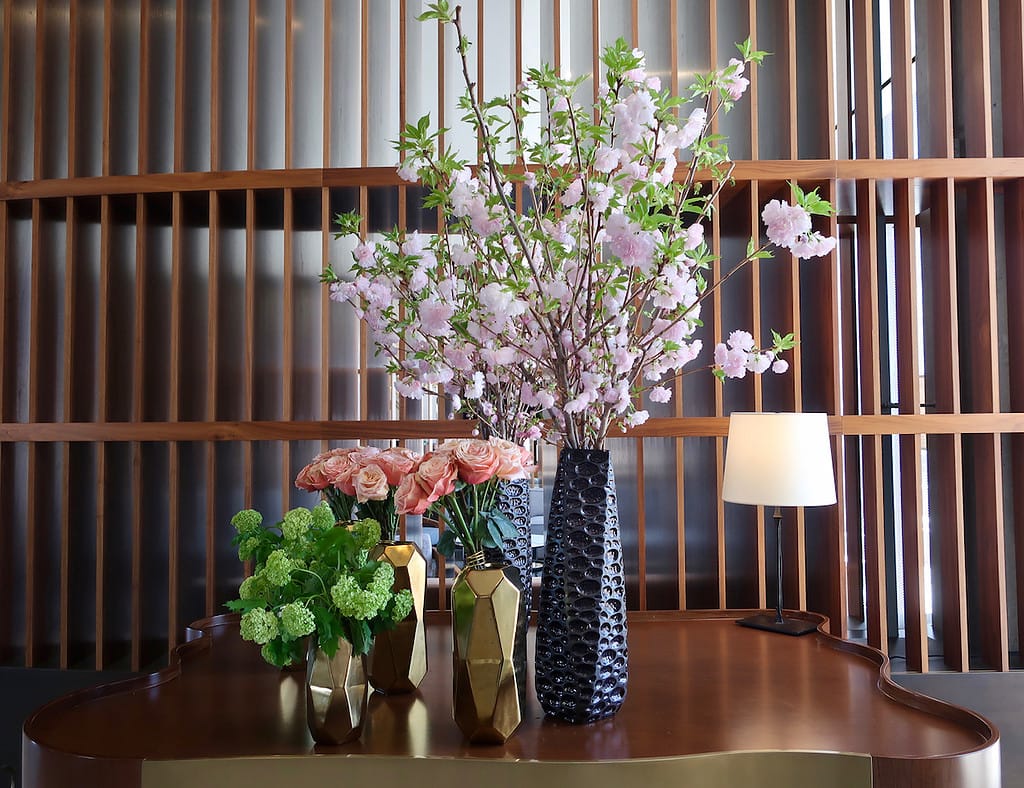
point(788, 626)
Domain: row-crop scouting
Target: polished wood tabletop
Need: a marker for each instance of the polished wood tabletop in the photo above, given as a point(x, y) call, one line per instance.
point(698, 684)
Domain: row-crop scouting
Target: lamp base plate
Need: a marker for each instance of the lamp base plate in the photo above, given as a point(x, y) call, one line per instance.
point(788, 626)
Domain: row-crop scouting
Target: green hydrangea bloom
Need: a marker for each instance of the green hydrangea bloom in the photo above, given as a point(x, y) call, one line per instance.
point(278, 569)
point(253, 587)
point(367, 533)
point(268, 654)
point(401, 605)
point(296, 620)
point(323, 517)
point(296, 524)
point(354, 602)
point(247, 548)
point(247, 522)
point(259, 626)
point(383, 578)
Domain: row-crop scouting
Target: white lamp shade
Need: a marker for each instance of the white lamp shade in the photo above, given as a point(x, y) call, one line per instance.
point(779, 459)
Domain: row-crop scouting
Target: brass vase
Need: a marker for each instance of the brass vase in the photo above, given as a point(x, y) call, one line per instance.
point(398, 659)
point(336, 693)
point(489, 666)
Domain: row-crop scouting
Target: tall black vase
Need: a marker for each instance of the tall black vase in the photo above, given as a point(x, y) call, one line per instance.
point(514, 503)
point(582, 658)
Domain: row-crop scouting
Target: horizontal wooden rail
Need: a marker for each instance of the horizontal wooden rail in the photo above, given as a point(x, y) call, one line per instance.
point(666, 427)
point(314, 177)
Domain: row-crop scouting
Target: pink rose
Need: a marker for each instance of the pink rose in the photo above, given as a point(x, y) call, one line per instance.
point(312, 478)
point(397, 463)
point(436, 475)
point(410, 497)
point(514, 462)
point(371, 484)
point(340, 469)
point(477, 460)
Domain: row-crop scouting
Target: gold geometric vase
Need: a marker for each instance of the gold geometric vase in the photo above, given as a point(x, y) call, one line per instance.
point(336, 693)
point(489, 664)
point(398, 660)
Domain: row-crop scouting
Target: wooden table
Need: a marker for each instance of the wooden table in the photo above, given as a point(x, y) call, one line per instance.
point(709, 703)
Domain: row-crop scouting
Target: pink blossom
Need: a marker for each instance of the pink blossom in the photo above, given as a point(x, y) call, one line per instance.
point(573, 193)
point(364, 251)
point(636, 418)
point(545, 400)
point(780, 366)
point(733, 362)
point(660, 394)
point(606, 159)
point(600, 196)
point(812, 245)
point(342, 291)
point(418, 280)
point(635, 75)
point(654, 83)
point(463, 257)
point(464, 196)
point(410, 389)
point(482, 222)
point(562, 153)
point(561, 104)
point(694, 236)
point(435, 318)
point(731, 79)
point(640, 107)
point(668, 170)
point(693, 127)
point(414, 244)
point(784, 222)
point(758, 362)
point(408, 173)
point(741, 340)
point(458, 358)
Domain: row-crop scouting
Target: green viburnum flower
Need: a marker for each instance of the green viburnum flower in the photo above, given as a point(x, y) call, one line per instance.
point(367, 533)
point(401, 605)
point(253, 587)
point(278, 569)
point(247, 522)
point(296, 523)
point(259, 626)
point(383, 578)
point(296, 620)
point(268, 654)
point(353, 602)
point(323, 517)
point(247, 548)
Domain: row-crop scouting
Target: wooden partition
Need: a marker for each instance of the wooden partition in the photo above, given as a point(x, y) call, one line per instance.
point(168, 175)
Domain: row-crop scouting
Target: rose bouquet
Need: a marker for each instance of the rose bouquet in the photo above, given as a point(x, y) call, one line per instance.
point(584, 292)
point(361, 480)
point(461, 477)
point(313, 577)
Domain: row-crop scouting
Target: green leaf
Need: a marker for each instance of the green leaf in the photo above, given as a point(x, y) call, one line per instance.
point(446, 544)
point(245, 605)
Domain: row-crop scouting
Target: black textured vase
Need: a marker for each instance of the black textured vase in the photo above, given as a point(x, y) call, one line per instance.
point(514, 503)
point(582, 659)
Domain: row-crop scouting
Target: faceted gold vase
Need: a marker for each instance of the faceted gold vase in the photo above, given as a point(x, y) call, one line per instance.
point(336, 694)
point(398, 659)
point(489, 665)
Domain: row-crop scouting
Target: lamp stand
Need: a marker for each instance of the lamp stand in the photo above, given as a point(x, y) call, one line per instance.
point(777, 623)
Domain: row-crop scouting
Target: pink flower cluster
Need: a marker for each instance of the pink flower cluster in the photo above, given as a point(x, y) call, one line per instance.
point(738, 355)
point(365, 473)
point(789, 226)
point(471, 460)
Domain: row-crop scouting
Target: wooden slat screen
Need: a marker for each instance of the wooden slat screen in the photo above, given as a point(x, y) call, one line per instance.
point(168, 175)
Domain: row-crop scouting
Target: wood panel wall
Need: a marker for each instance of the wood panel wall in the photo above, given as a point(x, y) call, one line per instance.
point(167, 178)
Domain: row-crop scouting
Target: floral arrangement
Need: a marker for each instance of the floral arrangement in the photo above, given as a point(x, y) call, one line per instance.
point(313, 577)
point(583, 293)
point(362, 480)
point(461, 478)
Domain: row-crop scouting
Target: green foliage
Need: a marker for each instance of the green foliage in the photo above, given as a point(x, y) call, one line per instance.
point(313, 577)
point(811, 201)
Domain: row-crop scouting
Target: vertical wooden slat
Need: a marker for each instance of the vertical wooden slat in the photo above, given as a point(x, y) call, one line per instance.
point(289, 82)
point(144, 57)
point(250, 327)
point(788, 56)
point(108, 80)
point(215, 70)
point(911, 509)
point(945, 452)
point(1011, 26)
point(325, 227)
point(138, 396)
point(250, 138)
point(755, 310)
point(72, 130)
point(102, 363)
point(716, 268)
point(870, 398)
point(40, 88)
point(5, 93)
point(212, 333)
point(595, 47)
point(179, 87)
point(288, 340)
point(364, 148)
point(864, 82)
point(31, 579)
point(556, 27)
point(987, 481)
point(70, 226)
point(752, 102)
point(174, 414)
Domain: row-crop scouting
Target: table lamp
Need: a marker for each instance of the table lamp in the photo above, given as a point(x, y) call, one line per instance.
point(778, 459)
